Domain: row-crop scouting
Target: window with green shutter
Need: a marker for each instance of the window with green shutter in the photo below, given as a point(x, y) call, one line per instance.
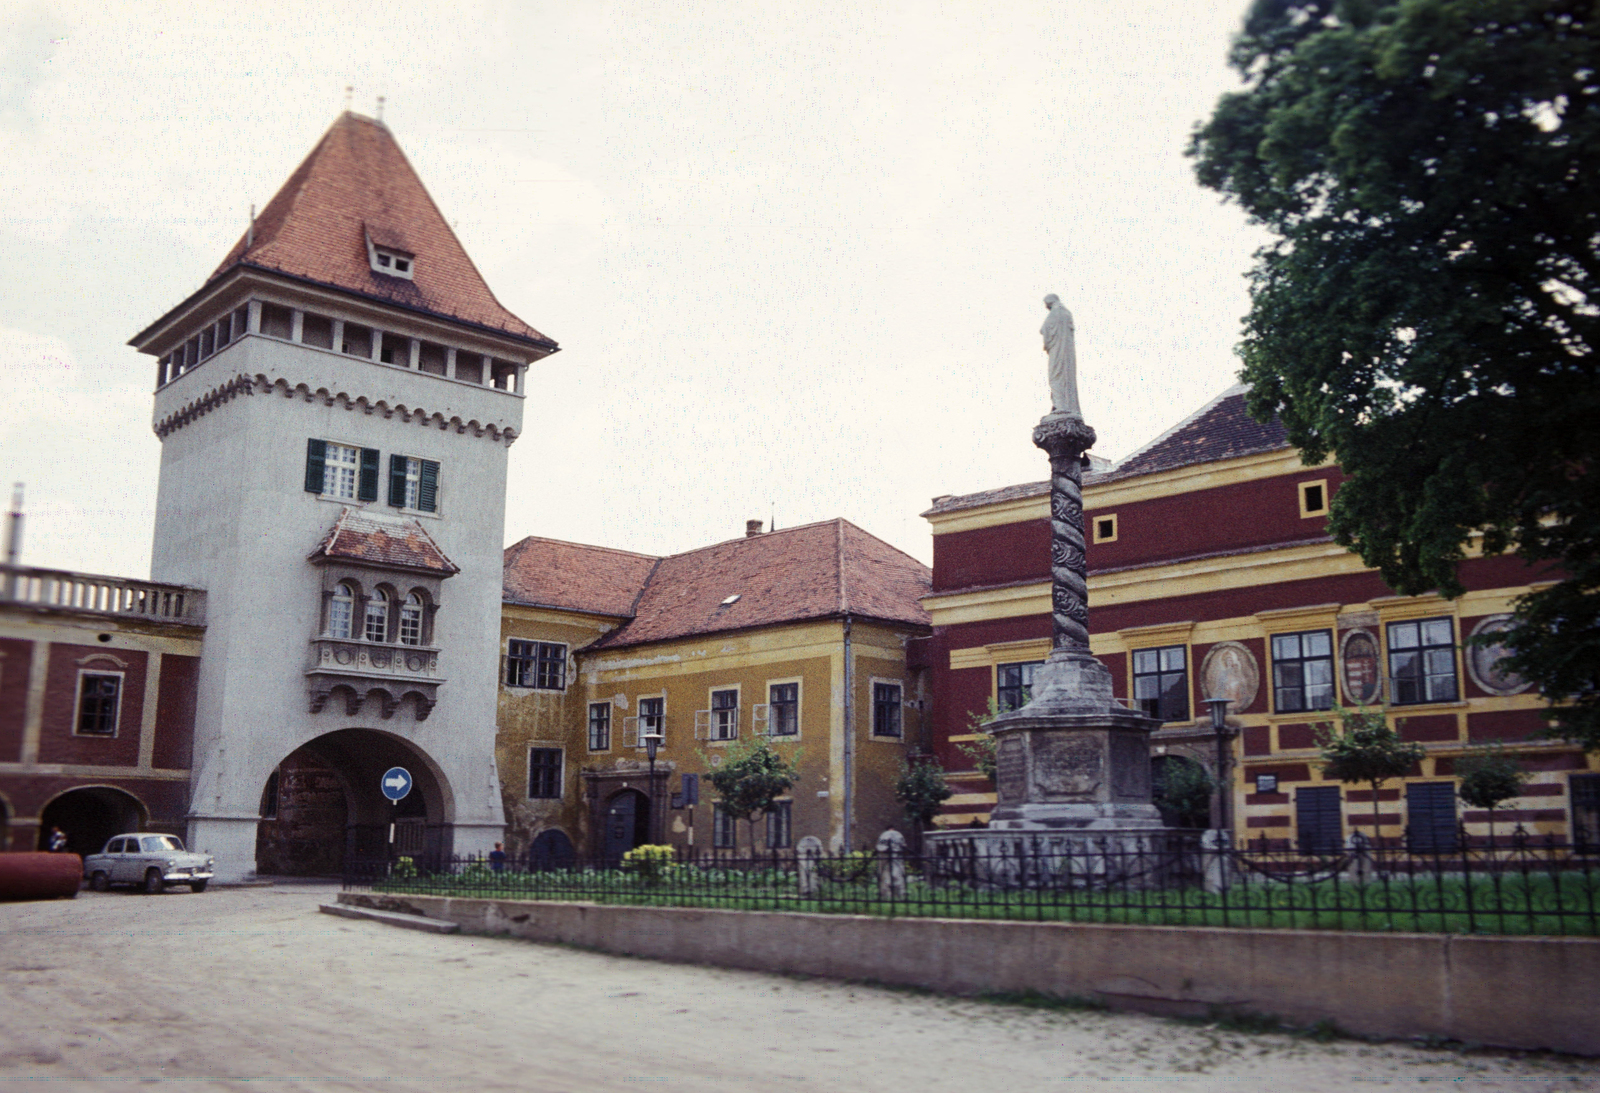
point(341, 471)
point(413, 483)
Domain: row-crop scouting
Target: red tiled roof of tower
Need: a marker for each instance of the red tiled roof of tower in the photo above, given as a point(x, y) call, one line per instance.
point(357, 182)
point(575, 576)
point(399, 544)
point(812, 571)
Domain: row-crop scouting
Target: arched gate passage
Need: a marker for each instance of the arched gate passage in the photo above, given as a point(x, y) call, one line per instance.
point(323, 811)
point(89, 816)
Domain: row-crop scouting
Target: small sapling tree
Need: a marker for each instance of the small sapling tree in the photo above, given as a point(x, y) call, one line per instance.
point(982, 750)
point(921, 789)
point(1489, 777)
point(751, 779)
point(1365, 750)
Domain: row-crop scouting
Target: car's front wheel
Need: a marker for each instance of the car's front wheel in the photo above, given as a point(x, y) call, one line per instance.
point(197, 886)
point(100, 880)
point(152, 882)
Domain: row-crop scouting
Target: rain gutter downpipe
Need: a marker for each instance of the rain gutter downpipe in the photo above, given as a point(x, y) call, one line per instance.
point(849, 739)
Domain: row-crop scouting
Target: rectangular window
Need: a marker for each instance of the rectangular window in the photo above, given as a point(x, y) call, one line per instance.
point(778, 826)
point(413, 483)
point(1431, 816)
point(1318, 824)
point(599, 726)
point(98, 698)
point(1161, 682)
point(377, 618)
point(722, 833)
point(1014, 684)
point(886, 710)
point(725, 715)
point(552, 666)
point(783, 717)
point(1422, 662)
point(1302, 671)
point(544, 772)
point(538, 664)
point(652, 719)
point(340, 471)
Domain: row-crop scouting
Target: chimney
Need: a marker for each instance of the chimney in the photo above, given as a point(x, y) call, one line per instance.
point(752, 528)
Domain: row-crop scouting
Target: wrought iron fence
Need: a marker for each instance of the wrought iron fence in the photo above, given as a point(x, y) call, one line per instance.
point(1529, 886)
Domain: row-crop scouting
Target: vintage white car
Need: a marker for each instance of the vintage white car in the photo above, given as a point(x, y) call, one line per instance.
point(149, 860)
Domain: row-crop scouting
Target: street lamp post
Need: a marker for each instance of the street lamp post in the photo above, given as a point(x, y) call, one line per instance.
point(1224, 734)
point(652, 741)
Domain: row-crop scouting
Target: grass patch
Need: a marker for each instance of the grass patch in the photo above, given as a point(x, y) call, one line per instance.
point(1533, 904)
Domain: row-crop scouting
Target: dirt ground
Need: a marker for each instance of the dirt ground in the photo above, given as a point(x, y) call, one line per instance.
point(252, 989)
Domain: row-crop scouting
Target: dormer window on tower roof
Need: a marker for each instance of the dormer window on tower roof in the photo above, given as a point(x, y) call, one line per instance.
point(395, 263)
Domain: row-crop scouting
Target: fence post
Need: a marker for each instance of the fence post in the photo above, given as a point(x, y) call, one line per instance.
point(891, 865)
point(1214, 846)
point(806, 855)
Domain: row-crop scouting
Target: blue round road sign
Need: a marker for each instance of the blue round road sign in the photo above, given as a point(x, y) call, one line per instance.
point(396, 783)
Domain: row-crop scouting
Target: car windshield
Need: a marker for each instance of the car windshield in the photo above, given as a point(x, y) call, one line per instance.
point(158, 843)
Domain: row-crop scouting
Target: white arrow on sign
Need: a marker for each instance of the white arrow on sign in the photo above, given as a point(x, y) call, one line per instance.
point(398, 781)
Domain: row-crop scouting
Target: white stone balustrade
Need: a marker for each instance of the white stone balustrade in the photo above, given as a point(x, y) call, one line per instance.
point(93, 594)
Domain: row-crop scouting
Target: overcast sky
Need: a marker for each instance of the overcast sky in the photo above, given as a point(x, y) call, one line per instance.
point(794, 253)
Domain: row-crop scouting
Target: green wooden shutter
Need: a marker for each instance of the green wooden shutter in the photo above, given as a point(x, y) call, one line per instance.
point(316, 457)
point(368, 488)
point(397, 481)
point(428, 487)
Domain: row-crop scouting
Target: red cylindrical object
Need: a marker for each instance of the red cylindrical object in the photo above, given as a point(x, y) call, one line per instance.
point(39, 875)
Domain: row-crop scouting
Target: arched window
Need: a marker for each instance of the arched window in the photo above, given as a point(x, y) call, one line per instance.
point(341, 611)
point(411, 620)
point(378, 616)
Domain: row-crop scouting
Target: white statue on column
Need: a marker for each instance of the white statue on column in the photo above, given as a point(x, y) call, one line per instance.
point(1058, 343)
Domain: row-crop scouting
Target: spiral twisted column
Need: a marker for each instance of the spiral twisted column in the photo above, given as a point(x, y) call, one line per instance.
point(1065, 438)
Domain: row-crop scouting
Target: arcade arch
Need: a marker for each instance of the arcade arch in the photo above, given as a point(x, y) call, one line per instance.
point(90, 815)
point(323, 811)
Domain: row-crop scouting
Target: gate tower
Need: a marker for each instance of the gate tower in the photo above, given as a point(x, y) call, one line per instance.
point(335, 406)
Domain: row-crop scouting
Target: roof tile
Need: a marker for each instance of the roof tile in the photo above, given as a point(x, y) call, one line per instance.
point(356, 182)
point(1221, 429)
point(811, 571)
point(575, 576)
point(382, 540)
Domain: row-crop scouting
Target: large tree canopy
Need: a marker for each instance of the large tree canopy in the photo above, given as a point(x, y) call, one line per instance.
point(1428, 309)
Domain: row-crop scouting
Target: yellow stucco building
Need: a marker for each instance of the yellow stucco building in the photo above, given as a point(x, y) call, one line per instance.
point(798, 637)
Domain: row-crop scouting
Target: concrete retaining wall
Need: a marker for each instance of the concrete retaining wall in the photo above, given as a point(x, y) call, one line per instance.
point(1508, 991)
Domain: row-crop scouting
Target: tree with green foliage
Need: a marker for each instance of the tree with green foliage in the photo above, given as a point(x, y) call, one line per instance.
point(1489, 777)
point(1365, 750)
point(751, 778)
point(1183, 790)
point(921, 789)
point(1428, 310)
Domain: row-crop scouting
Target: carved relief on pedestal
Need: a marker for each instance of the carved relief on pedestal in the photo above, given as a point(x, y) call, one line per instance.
point(1130, 767)
point(1011, 770)
point(1067, 767)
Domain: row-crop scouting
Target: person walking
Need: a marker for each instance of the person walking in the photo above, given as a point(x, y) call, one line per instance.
point(58, 840)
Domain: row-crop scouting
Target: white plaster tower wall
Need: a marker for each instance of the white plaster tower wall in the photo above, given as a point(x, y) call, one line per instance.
point(234, 517)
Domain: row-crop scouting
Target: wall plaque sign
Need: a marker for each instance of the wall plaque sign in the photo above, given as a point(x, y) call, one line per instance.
point(1363, 670)
point(1483, 661)
point(1229, 671)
